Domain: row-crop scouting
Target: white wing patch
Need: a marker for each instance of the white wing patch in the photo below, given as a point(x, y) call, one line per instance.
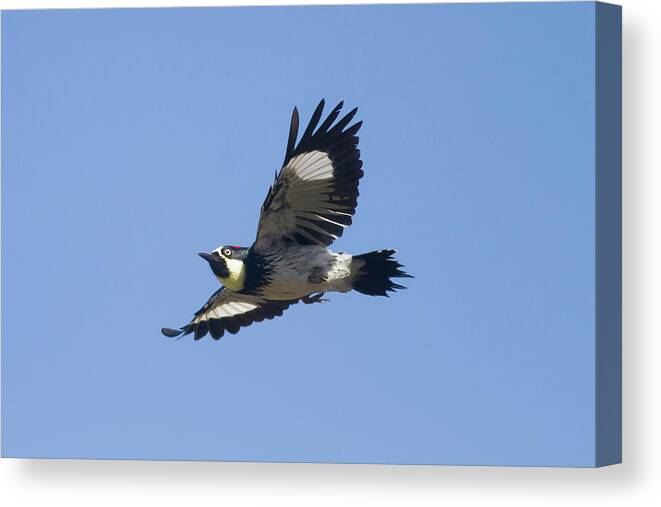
point(314, 165)
point(228, 309)
point(315, 193)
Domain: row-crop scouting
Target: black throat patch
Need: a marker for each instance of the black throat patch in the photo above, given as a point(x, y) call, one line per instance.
point(219, 267)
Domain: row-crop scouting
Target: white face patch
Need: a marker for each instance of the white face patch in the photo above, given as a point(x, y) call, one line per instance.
point(236, 267)
point(237, 271)
point(310, 166)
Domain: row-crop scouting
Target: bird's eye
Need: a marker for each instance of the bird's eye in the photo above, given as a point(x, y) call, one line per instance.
point(227, 252)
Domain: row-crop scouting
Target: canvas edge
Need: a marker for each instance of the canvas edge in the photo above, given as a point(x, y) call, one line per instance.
point(608, 231)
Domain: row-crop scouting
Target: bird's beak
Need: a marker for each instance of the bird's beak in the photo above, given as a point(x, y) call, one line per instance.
point(207, 257)
point(216, 263)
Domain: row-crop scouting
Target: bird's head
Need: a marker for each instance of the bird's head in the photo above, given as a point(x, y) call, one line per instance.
point(228, 264)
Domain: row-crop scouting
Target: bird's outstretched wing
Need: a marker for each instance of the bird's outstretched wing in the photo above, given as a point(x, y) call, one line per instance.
point(316, 191)
point(227, 310)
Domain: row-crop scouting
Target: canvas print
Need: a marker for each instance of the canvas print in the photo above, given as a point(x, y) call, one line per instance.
point(324, 234)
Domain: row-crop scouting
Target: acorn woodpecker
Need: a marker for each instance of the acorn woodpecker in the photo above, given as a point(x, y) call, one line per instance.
point(311, 201)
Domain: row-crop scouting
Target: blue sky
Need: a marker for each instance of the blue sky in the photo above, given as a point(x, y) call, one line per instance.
point(133, 139)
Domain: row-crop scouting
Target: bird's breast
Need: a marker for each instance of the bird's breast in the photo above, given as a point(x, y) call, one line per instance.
point(290, 271)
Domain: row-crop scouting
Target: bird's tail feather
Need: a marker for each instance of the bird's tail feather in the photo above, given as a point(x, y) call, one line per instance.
point(374, 272)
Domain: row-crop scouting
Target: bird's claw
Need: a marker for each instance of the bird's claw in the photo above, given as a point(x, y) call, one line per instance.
point(317, 298)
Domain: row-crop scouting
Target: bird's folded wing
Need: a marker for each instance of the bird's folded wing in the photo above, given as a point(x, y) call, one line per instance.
point(315, 193)
point(227, 310)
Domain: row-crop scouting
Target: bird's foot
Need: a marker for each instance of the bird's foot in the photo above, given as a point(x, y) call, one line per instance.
point(316, 298)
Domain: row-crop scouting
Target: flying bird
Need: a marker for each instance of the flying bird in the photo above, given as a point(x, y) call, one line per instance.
point(307, 207)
